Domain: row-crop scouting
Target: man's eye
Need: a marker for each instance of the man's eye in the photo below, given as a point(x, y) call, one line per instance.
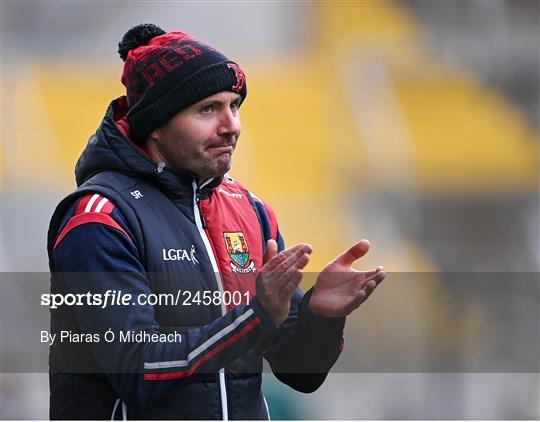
point(235, 106)
point(207, 109)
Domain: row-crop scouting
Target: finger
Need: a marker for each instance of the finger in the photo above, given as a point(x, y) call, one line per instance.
point(365, 292)
point(378, 277)
point(360, 297)
point(370, 273)
point(301, 262)
point(355, 252)
point(286, 277)
point(295, 261)
point(283, 275)
point(278, 276)
point(374, 280)
point(271, 250)
point(290, 287)
point(369, 287)
point(281, 256)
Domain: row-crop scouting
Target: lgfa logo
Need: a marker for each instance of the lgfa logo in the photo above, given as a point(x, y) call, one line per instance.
point(180, 255)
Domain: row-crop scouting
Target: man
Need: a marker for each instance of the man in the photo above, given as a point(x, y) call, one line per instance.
point(156, 215)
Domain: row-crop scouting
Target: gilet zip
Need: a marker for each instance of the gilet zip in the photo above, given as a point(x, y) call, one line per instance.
point(201, 227)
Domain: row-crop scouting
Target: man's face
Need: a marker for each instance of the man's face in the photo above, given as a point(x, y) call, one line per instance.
point(201, 138)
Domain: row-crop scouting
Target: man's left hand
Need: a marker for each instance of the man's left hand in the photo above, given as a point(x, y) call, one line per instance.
point(340, 289)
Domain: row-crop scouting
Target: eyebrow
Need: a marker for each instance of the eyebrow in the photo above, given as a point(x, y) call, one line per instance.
point(219, 101)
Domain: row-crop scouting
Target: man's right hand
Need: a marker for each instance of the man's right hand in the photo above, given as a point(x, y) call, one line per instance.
point(279, 277)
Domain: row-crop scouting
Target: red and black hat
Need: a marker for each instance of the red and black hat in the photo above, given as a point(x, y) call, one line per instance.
point(165, 72)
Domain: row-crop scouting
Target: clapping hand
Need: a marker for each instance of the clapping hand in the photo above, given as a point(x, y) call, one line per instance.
point(340, 289)
point(279, 277)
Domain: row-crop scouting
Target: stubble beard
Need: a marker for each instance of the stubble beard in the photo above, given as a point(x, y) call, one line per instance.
point(217, 167)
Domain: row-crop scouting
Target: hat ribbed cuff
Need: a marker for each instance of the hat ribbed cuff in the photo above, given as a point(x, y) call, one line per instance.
point(206, 82)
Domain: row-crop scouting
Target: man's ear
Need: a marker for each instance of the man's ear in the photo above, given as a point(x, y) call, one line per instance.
point(151, 144)
point(154, 137)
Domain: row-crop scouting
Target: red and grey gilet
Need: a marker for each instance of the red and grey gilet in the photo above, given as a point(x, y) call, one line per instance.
point(207, 238)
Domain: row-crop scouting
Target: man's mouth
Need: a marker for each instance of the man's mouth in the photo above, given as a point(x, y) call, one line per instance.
point(220, 149)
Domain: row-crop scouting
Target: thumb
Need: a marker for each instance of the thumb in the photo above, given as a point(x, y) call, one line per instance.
point(358, 250)
point(271, 250)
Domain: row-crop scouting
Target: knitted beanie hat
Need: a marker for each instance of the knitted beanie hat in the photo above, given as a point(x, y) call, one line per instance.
point(165, 72)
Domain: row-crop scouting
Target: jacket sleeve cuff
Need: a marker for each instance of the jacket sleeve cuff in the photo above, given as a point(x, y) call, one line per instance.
point(263, 316)
point(306, 316)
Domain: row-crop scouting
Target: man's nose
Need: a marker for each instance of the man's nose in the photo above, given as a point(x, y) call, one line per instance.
point(229, 123)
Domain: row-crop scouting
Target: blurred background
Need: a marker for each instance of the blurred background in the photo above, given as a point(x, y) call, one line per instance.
point(413, 124)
